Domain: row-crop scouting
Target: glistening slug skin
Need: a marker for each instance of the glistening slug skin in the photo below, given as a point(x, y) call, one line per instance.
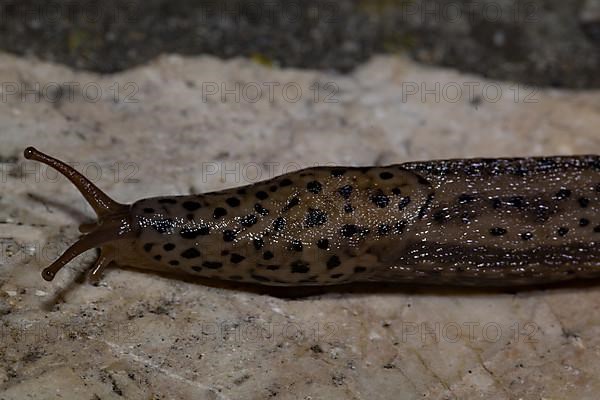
point(500, 222)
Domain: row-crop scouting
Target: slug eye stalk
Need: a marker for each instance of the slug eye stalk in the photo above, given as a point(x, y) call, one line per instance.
point(112, 224)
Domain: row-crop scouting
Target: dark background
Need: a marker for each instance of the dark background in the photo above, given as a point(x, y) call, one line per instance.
point(548, 43)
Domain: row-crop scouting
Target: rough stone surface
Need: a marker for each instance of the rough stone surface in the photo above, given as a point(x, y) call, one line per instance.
point(142, 335)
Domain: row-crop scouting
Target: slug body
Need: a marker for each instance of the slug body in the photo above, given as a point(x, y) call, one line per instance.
point(460, 222)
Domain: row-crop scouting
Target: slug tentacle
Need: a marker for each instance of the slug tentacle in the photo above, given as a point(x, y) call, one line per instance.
point(101, 263)
point(94, 239)
point(96, 198)
point(113, 218)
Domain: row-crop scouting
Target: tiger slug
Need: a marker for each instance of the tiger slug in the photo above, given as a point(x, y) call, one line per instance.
point(499, 222)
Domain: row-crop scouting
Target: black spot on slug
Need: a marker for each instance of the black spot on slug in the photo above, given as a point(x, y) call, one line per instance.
point(516, 201)
point(262, 195)
point(405, 201)
point(191, 205)
point(219, 212)
point(285, 182)
point(334, 261)
point(466, 217)
point(148, 210)
point(349, 230)
point(158, 257)
point(295, 245)
point(229, 235)
point(278, 224)
point(194, 232)
point(190, 253)
point(473, 170)
point(542, 213)
point(248, 220)
point(546, 164)
point(526, 235)
point(380, 199)
point(441, 215)
point(385, 175)
point(260, 209)
point(562, 231)
point(400, 226)
point(520, 171)
point(396, 191)
point(323, 244)
point(426, 205)
point(236, 258)
point(212, 264)
point(466, 198)
point(232, 201)
point(383, 229)
point(337, 172)
point(148, 247)
point(300, 267)
point(314, 187)
point(584, 222)
point(258, 243)
point(345, 191)
point(163, 225)
point(497, 231)
point(173, 262)
point(583, 202)
point(359, 269)
point(562, 194)
point(267, 255)
point(168, 246)
point(315, 217)
point(348, 208)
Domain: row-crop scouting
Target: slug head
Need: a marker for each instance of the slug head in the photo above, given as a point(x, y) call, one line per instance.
point(113, 218)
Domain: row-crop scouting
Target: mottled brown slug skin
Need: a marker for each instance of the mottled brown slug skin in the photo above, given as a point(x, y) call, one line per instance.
point(460, 222)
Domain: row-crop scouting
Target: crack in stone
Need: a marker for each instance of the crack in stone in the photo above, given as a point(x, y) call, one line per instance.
point(162, 370)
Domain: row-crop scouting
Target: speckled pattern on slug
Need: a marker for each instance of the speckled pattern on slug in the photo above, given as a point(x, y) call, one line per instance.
point(462, 222)
point(489, 221)
point(314, 226)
